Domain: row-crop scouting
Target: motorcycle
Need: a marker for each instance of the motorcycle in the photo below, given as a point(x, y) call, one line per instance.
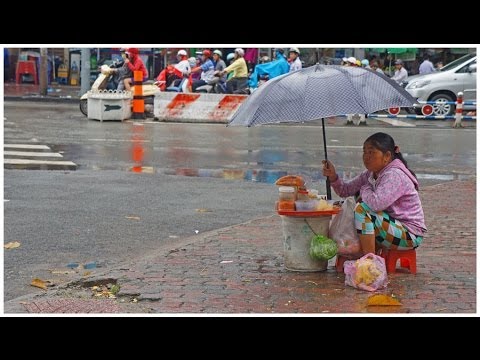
point(108, 79)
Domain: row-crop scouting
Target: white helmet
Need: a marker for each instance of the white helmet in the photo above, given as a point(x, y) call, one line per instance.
point(192, 61)
point(240, 51)
point(352, 60)
point(218, 52)
point(295, 50)
point(181, 53)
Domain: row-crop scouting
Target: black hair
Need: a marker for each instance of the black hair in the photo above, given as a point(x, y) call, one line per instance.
point(384, 142)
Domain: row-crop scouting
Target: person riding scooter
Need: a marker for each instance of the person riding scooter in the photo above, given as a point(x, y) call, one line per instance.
point(238, 83)
point(120, 71)
point(207, 68)
point(134, 63)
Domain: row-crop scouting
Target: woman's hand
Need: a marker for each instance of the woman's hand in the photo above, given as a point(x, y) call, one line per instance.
point(329, 171)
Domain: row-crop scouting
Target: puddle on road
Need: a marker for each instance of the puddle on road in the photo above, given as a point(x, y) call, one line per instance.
point(264, 165)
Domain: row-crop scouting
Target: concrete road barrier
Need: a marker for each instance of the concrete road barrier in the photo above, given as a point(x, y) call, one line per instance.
point(196, 107)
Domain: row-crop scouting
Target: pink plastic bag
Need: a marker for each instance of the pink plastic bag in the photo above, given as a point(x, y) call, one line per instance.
point(342, 230)
point(367, 273)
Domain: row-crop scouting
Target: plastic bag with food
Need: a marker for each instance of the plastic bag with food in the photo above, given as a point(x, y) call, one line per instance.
point(342, 230)
point(322, 248)
point(367, 273)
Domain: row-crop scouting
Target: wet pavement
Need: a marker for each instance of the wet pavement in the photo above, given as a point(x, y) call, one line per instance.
point(55, 92)
point(240, 269)
point(222, 176)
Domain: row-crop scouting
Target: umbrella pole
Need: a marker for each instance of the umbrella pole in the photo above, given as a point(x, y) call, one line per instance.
point(329, 191)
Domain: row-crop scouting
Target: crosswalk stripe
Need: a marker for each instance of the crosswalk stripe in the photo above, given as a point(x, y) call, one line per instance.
point(37, 162)
point(26, 146)
point(34, 157)
point(32, 154)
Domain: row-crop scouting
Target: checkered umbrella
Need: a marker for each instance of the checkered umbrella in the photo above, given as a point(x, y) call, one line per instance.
point(321, 91)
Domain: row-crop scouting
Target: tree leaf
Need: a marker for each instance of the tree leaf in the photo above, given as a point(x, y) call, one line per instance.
point(380, 299)
point(12, 245)
point(39, 283)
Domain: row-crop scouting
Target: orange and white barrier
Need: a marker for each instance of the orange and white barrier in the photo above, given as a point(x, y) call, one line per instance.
point(196, 107)
point(138, 102)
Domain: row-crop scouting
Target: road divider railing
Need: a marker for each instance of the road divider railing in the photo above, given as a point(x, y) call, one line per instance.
point(427, 111)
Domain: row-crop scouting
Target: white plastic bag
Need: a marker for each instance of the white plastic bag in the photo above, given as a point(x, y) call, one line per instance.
point(342, 230)
point(367, 273)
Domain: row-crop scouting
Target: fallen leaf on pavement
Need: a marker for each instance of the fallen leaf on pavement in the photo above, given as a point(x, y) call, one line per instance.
point(12, 245)
point(203, 210)
point(132, 217)
point(39, 283)
point(115, 289)
point(380, 299)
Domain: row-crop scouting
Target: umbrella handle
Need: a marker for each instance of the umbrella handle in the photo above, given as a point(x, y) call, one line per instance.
point(329, 191)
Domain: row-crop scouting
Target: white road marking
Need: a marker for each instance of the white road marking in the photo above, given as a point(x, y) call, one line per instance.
point(32, 154)
point(395, 122)
point(26, 146)
point(120, 140)
point(37, 162)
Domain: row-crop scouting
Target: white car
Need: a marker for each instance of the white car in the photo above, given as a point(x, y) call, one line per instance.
point(443, 86)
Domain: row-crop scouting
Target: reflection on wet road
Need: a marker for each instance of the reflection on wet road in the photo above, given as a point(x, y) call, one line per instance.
point(434, 150)
point(265, 153)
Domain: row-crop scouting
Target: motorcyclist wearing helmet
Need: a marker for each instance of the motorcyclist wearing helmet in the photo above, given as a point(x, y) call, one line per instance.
point(134, 63)
point(219, 64)
point(279, 53)
point(120, 71)
point(400, 72)
point(208, 70)
point(183, 65)
point(294, 60)
point(239, 81)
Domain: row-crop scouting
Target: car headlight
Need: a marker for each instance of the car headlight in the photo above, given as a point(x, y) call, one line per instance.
point(418, 84)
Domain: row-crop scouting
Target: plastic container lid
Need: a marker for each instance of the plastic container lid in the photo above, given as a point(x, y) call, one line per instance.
point(286, 189)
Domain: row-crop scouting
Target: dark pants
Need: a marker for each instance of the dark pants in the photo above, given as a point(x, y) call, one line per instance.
point(198, 83)
point(235, 85)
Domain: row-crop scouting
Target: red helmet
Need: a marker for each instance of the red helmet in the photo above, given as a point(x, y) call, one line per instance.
point(133, 51)
point(207, 53)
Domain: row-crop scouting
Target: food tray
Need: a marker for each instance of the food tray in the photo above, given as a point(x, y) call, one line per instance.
point(313, 213)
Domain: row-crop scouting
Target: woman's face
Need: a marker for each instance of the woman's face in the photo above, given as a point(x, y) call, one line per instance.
point(373, 159)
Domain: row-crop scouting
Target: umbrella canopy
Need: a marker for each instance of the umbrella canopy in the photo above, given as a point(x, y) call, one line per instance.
point(321, 91)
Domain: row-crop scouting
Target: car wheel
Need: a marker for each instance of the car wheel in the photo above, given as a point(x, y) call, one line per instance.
point(83, 107)
point(441, 108)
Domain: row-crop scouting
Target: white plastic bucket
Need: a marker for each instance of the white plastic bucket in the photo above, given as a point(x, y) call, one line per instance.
point(297, 235)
